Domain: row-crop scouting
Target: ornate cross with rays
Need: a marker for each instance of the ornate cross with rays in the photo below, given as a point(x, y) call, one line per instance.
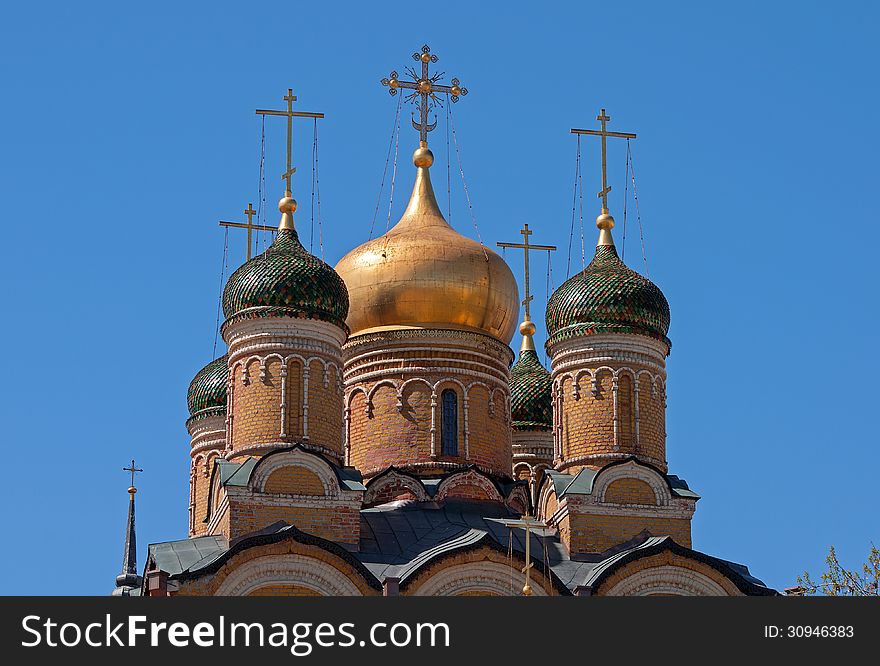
point(602, 118)
point(290, 114)
point(250, 211)
point(526, 246)
point(425, 87)
point(132, 469)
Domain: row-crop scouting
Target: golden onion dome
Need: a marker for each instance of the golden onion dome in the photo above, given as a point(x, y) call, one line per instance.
point(424, 274)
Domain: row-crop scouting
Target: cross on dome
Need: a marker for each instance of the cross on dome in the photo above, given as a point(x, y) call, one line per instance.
point(425, 86)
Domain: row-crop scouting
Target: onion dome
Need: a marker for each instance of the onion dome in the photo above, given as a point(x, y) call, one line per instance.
point(531, 405)
point(207, 391)
point(286, 281)
point(607, 297)
point(424, 274)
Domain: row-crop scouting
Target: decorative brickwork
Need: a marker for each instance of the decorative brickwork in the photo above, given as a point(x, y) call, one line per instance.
point(285, 386)
point(667, 574)
point(294, 486)
point(480, 572)
point(394, 381)
point(285, 563)
point(609, 401)
point(625, 500)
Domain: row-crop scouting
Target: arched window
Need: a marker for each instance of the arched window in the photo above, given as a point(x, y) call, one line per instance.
point(449, 423)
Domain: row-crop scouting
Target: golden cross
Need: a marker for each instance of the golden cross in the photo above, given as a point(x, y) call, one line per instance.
point(526, 246)
point(602, 118)
point(290, 114)
point(425, 87)
point(250, 226)
point(528, 524)
point(132, 469)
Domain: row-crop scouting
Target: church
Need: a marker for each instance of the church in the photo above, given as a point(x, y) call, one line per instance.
point(370, 430)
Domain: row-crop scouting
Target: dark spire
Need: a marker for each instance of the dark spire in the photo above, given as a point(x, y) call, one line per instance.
point(129, 581)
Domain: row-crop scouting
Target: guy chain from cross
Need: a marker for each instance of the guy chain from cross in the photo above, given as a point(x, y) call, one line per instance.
point(603, 133)
point(424, 86)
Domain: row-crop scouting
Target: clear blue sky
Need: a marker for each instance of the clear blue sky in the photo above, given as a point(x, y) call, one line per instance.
point(128, 130)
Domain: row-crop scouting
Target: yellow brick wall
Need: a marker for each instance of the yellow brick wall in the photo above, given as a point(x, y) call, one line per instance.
point(325, 408)
point(256, 406)
point(294, 480)
point(388, 437)
point(588, 421)
point(630, 491)
point(201, 491)
point(339, 524)
point(585, 533)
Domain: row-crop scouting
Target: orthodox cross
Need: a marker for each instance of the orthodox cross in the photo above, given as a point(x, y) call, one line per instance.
point(527, 523)
point(250, 211)
point(290, 114)
point(526, 246)
point(425, 87)
point(132, 469)
point(602, 118)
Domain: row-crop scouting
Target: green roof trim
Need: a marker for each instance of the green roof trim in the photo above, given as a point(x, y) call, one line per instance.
point(531, 403)
point(286, 281)
point(582, 482)
point(607, 297)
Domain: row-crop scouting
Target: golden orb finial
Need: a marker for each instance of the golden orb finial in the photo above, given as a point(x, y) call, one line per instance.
point(527, 328)
point(287, 207)
point(423, 157)
point(605, 223)
point(132, 490)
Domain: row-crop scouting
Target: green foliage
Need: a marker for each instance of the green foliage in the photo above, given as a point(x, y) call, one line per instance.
point(838, 581)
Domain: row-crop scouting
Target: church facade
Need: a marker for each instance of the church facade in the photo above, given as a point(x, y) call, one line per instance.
point(370, 431)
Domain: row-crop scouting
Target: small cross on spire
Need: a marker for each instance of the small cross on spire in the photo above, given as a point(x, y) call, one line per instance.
point(133, 471)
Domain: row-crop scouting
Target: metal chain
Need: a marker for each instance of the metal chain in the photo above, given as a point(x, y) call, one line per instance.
point(577, 168)
point(625, 197)
point(394, 130)
point(632, 171)
point(223, 269)
point(464, 183)
point(318, 194)
point(261, 187)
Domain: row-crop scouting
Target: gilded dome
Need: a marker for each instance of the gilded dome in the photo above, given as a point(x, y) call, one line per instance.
point(207, 391)
point(286, 281)
point(607, 297)
point(424, 274)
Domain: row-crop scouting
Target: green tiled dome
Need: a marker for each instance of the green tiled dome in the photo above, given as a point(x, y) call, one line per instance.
point(531, 405)
point(207, 391)
point(607, 297)
point(286, 281)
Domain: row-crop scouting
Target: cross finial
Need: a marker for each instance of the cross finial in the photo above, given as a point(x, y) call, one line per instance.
point(526, 246)
point(133, 470)
point(290, 114)
point(250, 211)
point(425, 88)
point(603, 118)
